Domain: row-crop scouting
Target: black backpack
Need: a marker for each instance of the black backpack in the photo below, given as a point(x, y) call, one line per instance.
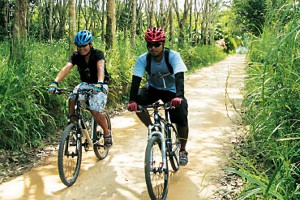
point(166, 52)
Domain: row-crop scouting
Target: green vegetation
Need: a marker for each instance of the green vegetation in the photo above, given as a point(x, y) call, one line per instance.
point(29, 115)
point(269, 162)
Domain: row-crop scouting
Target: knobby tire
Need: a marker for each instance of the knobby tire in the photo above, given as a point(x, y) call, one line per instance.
point(69, 155)
point(156, 177)
point(98, 139)
point(173, 147)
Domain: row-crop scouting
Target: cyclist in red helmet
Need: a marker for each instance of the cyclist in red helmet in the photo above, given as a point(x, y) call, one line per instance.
point(93, 74)
point(165, 81)
point(155, 35)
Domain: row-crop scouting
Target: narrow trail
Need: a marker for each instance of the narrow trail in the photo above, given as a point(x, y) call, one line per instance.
point(121, 175)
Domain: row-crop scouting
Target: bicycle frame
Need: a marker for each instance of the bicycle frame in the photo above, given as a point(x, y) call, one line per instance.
point(81, 121)
point(160, 123)
point(162, 139)
point(85, 131)
point(69, 151)
point(78, 108)
point(160, 151)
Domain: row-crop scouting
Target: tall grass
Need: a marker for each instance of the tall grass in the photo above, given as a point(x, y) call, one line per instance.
point(24, 107)
point(29, 115)
point(272, 106)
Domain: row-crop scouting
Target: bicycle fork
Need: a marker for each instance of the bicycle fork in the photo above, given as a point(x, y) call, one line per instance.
point(161, 136)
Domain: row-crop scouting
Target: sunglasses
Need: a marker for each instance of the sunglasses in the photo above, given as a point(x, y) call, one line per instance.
point(79, 46)
point(154, 44)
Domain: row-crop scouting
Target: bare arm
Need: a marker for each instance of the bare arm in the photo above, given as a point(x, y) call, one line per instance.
point(100, 70)
point(63, 72)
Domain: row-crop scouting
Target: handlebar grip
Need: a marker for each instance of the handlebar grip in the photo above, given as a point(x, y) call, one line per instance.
point(58, 92)
point(141, 108)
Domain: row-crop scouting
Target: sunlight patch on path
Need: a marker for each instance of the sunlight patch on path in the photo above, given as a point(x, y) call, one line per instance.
point(210, 128)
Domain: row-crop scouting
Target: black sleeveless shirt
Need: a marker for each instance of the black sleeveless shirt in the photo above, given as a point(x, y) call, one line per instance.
point(88, 71)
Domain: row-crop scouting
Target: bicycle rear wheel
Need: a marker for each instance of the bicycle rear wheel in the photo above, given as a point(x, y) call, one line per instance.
point(69, 155)
point(173, 147)
point(156, 177)
point(100, 151)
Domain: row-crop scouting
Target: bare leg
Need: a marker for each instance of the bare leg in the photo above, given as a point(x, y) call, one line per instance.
point(71, 110)
point(145, 118)
point(100, 119)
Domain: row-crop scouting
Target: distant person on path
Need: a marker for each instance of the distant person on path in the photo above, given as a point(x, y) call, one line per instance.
point(93, 75)
point(165, 82)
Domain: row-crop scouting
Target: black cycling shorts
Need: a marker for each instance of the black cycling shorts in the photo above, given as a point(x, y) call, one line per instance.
point(148, 95)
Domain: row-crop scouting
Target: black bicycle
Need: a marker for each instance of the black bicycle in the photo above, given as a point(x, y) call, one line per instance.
point(163, 145)
point(81, 133)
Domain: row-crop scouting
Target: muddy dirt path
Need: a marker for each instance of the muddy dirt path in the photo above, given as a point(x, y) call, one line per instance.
point(121, 175)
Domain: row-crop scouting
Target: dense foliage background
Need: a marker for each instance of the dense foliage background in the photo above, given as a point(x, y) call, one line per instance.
point(32, 52)
point(36, 41)
point(269, 161)
point(29, 114)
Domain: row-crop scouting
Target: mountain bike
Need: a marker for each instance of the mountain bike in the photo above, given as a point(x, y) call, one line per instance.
point(81, 133)
point(163, 145)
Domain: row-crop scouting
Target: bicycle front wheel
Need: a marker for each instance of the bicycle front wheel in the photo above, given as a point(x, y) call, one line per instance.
point(156, 176)
point(173, 147)
point(69, 155)
point(100, 151)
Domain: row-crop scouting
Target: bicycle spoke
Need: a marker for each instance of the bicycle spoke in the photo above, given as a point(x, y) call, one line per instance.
point(69, 156)
point(173, 146)
point(156, 171)
point(100, 151)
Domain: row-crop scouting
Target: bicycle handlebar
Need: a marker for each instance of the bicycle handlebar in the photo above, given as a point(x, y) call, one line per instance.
point(79, 91)
point(61, 90)
point(155, 105)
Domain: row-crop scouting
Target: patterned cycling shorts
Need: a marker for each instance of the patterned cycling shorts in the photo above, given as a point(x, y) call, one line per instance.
point(98, 101)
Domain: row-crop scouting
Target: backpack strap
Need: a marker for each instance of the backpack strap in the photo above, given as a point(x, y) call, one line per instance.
point(166, 52)
point(148, 66)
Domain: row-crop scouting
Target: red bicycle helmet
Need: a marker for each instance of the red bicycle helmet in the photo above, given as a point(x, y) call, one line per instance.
point(155, 35)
